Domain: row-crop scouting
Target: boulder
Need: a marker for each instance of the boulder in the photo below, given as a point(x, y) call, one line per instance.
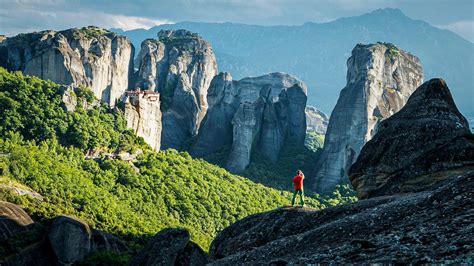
point(262, 113)
point(426, 136)
point(380, 78)
point(90, 56)
point(171, 246)
point(180, 65)
point(13, 219)
point(70, 239)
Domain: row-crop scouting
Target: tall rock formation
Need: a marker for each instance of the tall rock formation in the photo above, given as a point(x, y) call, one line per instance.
point(426, 136)
point(180, 65)
point(90, 56)
point(143, 116)
point(380, 78)
point(316, 120)
point(257, 112)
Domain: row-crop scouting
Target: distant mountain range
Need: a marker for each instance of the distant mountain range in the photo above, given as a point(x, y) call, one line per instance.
point(317, 52)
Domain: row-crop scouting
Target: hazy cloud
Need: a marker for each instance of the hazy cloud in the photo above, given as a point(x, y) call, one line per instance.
point(464, 28)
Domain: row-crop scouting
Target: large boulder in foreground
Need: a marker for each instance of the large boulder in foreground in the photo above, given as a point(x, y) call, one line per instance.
point(70, 239)
point(171, 246)
point(425, 137)
point(380, 79)
point(427, 227)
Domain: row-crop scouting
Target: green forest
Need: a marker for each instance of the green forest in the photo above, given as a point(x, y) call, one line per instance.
point(43, 148)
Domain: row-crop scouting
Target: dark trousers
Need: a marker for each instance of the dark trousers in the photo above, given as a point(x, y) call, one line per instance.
point(301, 193)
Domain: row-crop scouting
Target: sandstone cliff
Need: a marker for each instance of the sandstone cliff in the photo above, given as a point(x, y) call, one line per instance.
point(316, 121)
point(257, 112)
point(143, 115)
point(380, 78)
point(180, 65)
point(418, 175)
point(425, 137)
point(90, 56)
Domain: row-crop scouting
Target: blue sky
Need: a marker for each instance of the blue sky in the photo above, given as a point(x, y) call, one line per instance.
point(32, 15)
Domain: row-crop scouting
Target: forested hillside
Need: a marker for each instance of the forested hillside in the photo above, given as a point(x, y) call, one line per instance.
point(43, 150)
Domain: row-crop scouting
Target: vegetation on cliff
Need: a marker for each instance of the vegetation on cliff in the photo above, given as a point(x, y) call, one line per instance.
point(43, 147)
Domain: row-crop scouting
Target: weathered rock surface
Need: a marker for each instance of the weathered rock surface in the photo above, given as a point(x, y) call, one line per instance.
point(66, 241)
point(71, 101)
point(70, 239)
point(380, 78)
point(426, 227)
point(171, 246)
point(316, 121)
point(143, 116)
point(13, 219)
point(91, 56)
point(429, 134)
point(257, 112)
point(180, 65)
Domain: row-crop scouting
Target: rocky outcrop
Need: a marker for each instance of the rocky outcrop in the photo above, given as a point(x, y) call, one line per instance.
point(171, 246)
point(180, 65)
point(90, 56)
point(425, 137)
point(415, 179)
point(316, 121)
point(143, 116)
point(426, 227)
point(13, 219)
point(71, 101)
point(257, 112)
point(380, 78)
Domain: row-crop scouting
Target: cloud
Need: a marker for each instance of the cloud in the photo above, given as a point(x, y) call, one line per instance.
point(32, 15)
point(464, 28)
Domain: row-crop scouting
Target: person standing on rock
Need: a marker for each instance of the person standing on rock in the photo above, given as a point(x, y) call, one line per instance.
point(298, 185)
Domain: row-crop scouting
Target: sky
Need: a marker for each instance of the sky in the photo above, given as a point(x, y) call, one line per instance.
point(17, 16)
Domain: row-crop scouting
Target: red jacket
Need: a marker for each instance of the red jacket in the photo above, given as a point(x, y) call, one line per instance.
point(298, 181)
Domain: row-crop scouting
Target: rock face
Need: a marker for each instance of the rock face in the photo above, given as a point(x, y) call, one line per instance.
point(380, 78)
point(171, 246)
point(90, 56)
point(66, 241)
point(180, 65)
point(429, 134)
point(419, 164)
point(70, 239)
point(378, 230)
point(316, 121)
point(13, 219)
point(257, 112)
point(143, 116)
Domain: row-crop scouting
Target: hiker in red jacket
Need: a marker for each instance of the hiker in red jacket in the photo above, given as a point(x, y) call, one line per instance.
point(298, 185)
